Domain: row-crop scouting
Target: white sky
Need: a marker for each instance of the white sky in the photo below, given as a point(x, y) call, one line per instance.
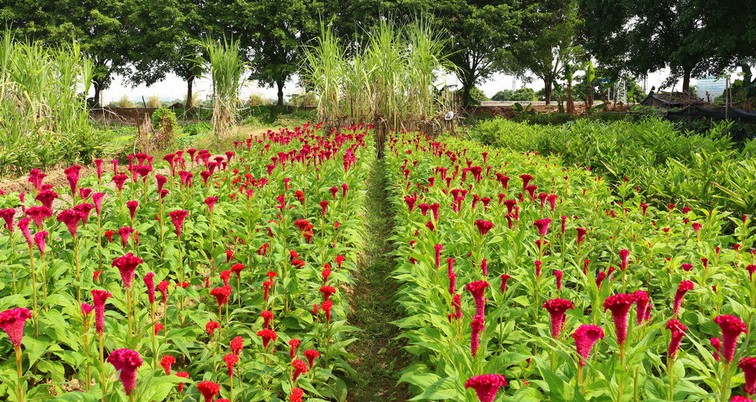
point(174, 87)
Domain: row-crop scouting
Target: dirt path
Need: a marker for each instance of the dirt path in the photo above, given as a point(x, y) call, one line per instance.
point(379, 357)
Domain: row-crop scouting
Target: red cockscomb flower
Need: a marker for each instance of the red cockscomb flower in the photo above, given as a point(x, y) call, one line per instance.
point(477, 326)
point(210, 202)
point(484, 226)
point(585, 337)
point(486, 386)
point(293, 345)
point(311, 355)
point(132, 206)
point(126, 361)
point(731, 327)
point(38, 214)
point(327, 292)
point(177, 217)
point(619, 305)
point(12, 322)
point(624, 253)
point(166, 362)
point(542, 225)
point(221, 294)
point(677, 330)
point(683, 288)
point(557, 308)
point(267, 336)
point(300, 367)
point(478, 291)
point(99, 298)
point(126, 265)
point(237, 269)
point(230, 359)
point(71, 218)
point(149, 282)
point(211, 326)
point(748, 365)
point(237, 344)
point(208, 389)
point(296, 395)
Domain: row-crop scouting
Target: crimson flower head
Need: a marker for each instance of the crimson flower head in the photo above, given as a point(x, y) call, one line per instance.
point(40, 239)
point(300, 367)
point(237, 344)
point(624, 253)
point(149, 282)
point(119, 180)
point(126, 265)
point(324, 206)
point(557, 308)
point(166, 362)
point(230, 359)
point(438, 248)
point(311, 355)
point(12, 322)
point(126, 361)
point(327, 292)
point(210, 202)
point(36, 177)
point(484, 226)
point(748, 365)
point(7, 215)
point(738, 398)
point(581, 232)
point(296, 395)
point(208, 389)
point(267, 316)
point(72, 175)
point(677, 330)
point(177, 217)
point(267, 335)
point(542, 225)
point(477, 326)
point(731, 327)
point(211, 326)
point(293, 345)
point(504, 279)
point(585, 337)
point(478, 291)
point(486, 386)
point(71, 218)
point(163, 288)
point(526, 178)
point(99, 298)
point(132, 206)
point(683, 288)
point(38, 214)
point(619, 305)
point(642, 306)
point(221, 294)
point(327, 306)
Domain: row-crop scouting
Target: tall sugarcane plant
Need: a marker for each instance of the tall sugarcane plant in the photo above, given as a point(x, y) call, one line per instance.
point(226, 69)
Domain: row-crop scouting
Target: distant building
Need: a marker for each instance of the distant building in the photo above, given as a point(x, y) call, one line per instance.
point(671, 100)
point(714, 86)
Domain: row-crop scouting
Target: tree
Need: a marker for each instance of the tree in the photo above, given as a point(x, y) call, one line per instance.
point(481, 37)
point(691, 37)
point(522, 94)
point(550, 42)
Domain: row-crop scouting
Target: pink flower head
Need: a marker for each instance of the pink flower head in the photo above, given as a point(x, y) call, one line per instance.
point(738, 398)
point(557, 308)
point(486, 386)
point(132, 206)
point(677, 330)
point(327, 306)
point(476, 326)
point(38, 214)
point(86, 309)
point(311, 355)
point(581, 232)
point(438, 249)
point(323, 206)
point(149, 282)
point(210, 202)
point(484, 226)
point(237, 344)
point(731, 327)
point(619, 305)
point(230, 359)
point(624, 253)
point(166, 362)
point(748, 365)
point(542, 225)
point(125, 232)
point(162, 287)
point(267, 335)
point(8, 214)
point(99, 298)
point(558, 275)
point(72, 175)
point(46, 197)
point(504, 279)
point(126, 266)
point(126, 361)
point(182, 374)
point(71, 218)
point(23, 224)
point(12, 322)
point(40, 239)
point(177, 217)
point(683, 288)
point(642, 306)
point(36, 177)
point(208, 389)
point(585, 337)
point(478, 291)
point(526, 178)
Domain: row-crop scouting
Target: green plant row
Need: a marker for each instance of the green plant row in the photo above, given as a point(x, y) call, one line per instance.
point(703, 170)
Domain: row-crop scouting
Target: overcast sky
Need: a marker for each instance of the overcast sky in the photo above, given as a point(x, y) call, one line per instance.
point(175, 88)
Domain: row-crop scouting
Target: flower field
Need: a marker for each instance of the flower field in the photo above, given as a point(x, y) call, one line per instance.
point(204, 277)
point(513, 265)
point(194, 277)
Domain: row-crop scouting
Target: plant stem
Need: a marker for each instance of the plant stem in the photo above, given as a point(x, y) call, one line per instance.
point(671, 375)
point(20, 372)
point(725, 390)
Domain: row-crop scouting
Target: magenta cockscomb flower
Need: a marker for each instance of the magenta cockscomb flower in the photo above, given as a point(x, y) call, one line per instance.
point(748, 365)
point(484, 226)
point(210, 202)
point(677, 330)
point(167, 362)
point(504, 279)
point(99, 298)
point(35, 178)
point(12, 322)
point(624, 254)
point(557, 308)
point(478, 291)
point(327, 292)
point(208, 389)
point(683, 288)
point(738, 398)
point(72, 175)
point(177, 217)
point(477, 326)
point(619, 305)
point(40, 239)
point(7, 215)
point(438, 248)
point(267, 335)
point(149, 282)
point(126, 265)
point(558, 275)
point(132, 206)
point(581, 232)
point(542, 225)
point(486, 386)
point(585, 337)
point(731, 327)
point(641, 306)
point(294, 344)
point(71, 218)
point(38, 214)
point(126, 362)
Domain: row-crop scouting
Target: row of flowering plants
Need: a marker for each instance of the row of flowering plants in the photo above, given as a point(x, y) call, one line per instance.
point(525, 280)
point(199, 276)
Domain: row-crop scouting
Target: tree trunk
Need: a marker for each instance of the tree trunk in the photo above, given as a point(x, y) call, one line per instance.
point(466, 96)
point(97, 91)
point(189, 95)
point(686, 79)
point(570, 102)
point(589, 97)
point(547, 86)
point(280, 85)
